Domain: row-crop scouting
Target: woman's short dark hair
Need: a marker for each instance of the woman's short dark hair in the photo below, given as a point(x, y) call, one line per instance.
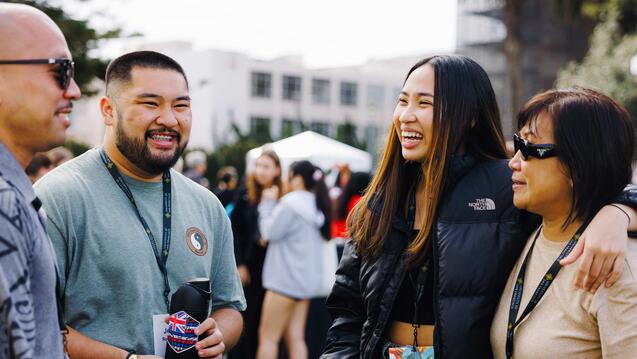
point(595, 139)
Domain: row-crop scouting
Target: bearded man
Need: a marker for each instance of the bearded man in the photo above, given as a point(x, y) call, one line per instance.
point(128, 230)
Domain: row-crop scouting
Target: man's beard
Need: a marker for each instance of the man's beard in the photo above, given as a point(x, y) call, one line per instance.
point(139, 154)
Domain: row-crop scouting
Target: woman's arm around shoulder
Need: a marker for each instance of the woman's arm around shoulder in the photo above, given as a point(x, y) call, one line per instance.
point(615, 309)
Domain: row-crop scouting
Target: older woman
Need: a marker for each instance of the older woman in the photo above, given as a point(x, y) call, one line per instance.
point(574, 151)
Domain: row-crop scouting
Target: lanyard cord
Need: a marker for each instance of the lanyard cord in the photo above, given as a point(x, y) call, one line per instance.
point(162, 257)
point(421, 281)
point(541, 289)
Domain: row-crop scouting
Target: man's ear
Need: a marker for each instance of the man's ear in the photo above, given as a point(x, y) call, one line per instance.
point(107, 107)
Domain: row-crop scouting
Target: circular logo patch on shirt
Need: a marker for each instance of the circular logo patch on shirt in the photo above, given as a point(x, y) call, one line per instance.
point(196, 241)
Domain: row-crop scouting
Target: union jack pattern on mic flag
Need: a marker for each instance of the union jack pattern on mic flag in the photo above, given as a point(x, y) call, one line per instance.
point(181, 331)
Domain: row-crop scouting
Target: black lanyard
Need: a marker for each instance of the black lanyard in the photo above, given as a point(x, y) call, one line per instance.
point(167, 211)
point(419, 287)
point(541, 289)
point(421, 281)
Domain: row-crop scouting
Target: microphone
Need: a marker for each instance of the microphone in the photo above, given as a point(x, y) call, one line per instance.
point(188, 307)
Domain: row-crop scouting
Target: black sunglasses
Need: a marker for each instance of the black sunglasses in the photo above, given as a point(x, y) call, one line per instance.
point(66, 70)
point(540, 151)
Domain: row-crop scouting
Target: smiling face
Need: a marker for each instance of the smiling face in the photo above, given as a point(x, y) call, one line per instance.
point(151, 117)
point(540, 186)
point(266, 170)
point(414, 114)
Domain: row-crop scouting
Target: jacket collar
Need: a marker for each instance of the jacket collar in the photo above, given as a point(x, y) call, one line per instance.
point(458, 166)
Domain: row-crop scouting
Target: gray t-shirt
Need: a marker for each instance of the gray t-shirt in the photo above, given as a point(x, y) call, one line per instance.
point(29, 326)
point(110, 280)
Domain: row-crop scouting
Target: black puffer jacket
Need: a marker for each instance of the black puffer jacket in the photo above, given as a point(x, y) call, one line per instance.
point(477, 239)
point(245, 228)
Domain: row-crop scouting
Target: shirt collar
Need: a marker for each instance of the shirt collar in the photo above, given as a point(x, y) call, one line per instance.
point(11, 171)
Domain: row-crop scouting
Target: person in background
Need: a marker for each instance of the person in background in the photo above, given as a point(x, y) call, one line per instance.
point(196, 162)
point(295, 228)
point(340, 175)
point(574, 153)
point(179, 165)
point(226, 185)
point(37, 91)
point(59, 155)
point(40, 164)
point(248, 248)
point(352, 193)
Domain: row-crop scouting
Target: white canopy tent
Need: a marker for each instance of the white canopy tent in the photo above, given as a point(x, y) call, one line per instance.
point(322, 151)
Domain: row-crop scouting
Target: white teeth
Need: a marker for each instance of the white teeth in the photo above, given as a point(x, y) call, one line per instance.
point(162, 138)
point(411, 134)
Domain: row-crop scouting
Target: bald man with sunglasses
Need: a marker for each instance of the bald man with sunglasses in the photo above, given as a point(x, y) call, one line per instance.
point(36, 94)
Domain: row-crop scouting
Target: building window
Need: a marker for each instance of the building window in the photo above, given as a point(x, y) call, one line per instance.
point(290, 127)
point(375, 97)
point(320, 127)
point(261, 84)
point(260, 128)
point(320, 91)
point(348, 93)
point(292, 88)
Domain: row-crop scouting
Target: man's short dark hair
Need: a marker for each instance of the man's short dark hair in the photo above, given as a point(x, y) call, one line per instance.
point(119, 70)
point(39, 160)
point(595, 139)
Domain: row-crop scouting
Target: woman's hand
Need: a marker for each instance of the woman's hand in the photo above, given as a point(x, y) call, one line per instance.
point(270, 193)
point(603, 248)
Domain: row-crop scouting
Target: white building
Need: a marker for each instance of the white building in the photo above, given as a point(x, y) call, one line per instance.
point(279, 95)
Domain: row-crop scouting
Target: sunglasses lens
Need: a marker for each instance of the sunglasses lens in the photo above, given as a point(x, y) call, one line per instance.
point(519, 145)
point(66, 74)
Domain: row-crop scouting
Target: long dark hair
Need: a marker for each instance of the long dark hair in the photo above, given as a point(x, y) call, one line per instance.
point(356, 185)
point(313, 181)
point(466, 116)
point(595, 139)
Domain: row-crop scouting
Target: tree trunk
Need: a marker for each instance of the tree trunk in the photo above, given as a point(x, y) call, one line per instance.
point(512, 14)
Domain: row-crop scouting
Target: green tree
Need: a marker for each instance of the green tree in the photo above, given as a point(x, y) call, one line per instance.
point(346, 133)
point(606, 66)
point(545, 35)
point(76, 148)
point(82, 39)
point(233, 154)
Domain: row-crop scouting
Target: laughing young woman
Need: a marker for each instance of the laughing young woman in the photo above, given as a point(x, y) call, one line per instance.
point(436, 234)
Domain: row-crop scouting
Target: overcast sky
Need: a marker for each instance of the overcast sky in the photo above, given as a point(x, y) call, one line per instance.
point(325, 32)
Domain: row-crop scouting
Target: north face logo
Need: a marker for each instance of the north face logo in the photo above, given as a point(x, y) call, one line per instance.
point(483, 204)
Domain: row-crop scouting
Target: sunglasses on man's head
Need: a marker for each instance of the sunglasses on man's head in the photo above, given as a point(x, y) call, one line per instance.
point(527, 149)
point(66, 69)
